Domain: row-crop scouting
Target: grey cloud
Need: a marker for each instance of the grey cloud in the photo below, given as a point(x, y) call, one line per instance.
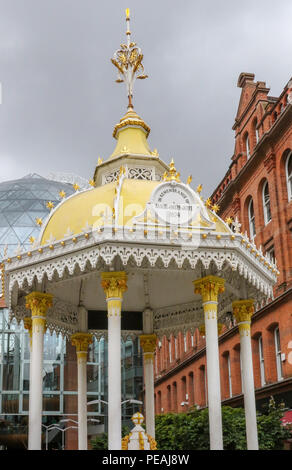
point(61, 102)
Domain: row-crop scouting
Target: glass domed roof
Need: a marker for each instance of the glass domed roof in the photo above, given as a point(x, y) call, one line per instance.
point(21, 202)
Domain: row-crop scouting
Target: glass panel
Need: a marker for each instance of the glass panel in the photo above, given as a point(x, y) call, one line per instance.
point(92, 377)
point(95, 407)
point(25, 380)
point(13, 432)
point(26, 346)
point(10, 403)
point(52, 347)
point(11, 361)
point(51, 402)
point(93, 351)
point(6, 324)
point(25, 402)
point(51, 377)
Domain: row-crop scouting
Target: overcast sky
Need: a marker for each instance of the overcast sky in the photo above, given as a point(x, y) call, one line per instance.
point(60, 101)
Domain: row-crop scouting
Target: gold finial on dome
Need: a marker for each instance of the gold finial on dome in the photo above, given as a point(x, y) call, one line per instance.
point(172, 175)
point(128, 61)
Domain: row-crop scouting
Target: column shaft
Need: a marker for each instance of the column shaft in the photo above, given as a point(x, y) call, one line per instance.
point(81, 341)
point(114, 381)
point(243, 311)
point(148, 344)
point(213, 376)
point(114, 285)
point(209, 287)
point(38, 303)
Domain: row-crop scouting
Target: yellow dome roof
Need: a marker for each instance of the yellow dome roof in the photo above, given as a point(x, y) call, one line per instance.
point(99, 206)
point(95, 206)
point(131, 134)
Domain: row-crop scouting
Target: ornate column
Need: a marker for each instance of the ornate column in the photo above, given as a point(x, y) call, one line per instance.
point(81, 341)
point(27, 323)
point(148, 344)
point(242, 311)
point(114, 285)
point(209, 288)
point(38, 303)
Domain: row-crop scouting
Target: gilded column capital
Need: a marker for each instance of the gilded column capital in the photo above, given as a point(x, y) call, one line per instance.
point(209, 288)
point(148, 344)
point(243, 310)
point(202, 329)
point(81, 341)
point(38, 303)
point(27, 323)
point(114, 284)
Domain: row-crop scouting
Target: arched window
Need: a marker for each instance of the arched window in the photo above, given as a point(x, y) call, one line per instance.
point(256, 131)
point(289, 175)
point(251, 219)
point(266, 203)
point(247, 146)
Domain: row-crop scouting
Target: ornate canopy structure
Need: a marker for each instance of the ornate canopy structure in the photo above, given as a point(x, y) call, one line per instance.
point(142, 236)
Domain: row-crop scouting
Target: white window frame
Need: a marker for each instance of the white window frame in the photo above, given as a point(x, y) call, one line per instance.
point(185, 343)
point(169, 350)
point(251, 220)
point(278, 354)
point(266, 204)
point(262, 361)
point(247, 148)
point(257, 134)
point(175, 347)
point(229, 375)
point(289, 177)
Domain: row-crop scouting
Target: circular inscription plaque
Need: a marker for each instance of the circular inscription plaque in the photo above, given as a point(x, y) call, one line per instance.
point(174, 204)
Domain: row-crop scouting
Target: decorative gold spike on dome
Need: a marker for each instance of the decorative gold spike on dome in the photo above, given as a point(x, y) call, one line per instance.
point(189, 180)
point(128, 61)
point(172, 175)
point(50, 205)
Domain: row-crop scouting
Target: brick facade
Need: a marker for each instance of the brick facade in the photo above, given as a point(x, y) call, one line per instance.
point(257, 173)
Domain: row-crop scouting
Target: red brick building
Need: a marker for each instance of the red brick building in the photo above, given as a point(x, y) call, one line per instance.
point(257, 190)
